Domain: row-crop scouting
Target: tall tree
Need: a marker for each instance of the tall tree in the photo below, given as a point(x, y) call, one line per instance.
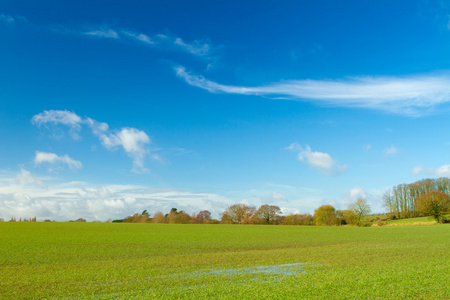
point(360, 208)
point(268, 214)
point(434, 203)
point(158, 217)
point(237, 213)
point(203, 217)
point(401, 199)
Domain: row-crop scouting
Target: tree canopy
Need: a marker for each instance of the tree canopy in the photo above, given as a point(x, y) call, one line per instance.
point(268, 214)
point(433, 203)
point(325, 215)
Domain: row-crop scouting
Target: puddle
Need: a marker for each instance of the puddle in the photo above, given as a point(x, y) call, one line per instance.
point(285, 269)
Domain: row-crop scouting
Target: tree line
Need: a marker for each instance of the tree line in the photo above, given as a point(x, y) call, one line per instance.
point(266, 214)
point(427, 197)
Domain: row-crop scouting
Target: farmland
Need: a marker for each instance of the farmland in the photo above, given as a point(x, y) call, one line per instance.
point(104, 261)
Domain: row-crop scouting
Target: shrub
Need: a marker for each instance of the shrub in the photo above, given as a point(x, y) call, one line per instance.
point(326, 215)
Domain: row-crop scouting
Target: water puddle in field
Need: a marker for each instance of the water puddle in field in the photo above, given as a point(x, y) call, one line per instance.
point(285, 269)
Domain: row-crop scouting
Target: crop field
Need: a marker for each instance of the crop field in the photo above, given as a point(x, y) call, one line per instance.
point(162, 261)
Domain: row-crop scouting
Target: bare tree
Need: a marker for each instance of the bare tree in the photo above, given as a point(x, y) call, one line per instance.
point(360, 208)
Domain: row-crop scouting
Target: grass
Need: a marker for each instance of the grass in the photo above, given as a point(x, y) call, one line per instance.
point(408, 221)
point(110, 261)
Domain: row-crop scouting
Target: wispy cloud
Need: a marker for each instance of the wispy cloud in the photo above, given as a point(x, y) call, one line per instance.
point(366, 147)
point(276, 185)
point(56, 117)
point(412, 95)
point(26, 178)
point(391, 151)
point(7, 19)
point(196, 48)
point(318, 160)
point(103, 32)
point(52, 158)
point(139, 36)
point(163, 41)
point(132, 140)
point(416, 170)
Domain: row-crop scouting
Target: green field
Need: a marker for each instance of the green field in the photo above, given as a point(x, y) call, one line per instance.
point(120, 261)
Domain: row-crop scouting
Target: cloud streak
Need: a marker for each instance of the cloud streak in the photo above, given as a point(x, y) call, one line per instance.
point(412, 95)
point(7, 19)
point(196, 48)
point(103, 32)
point(171, 42)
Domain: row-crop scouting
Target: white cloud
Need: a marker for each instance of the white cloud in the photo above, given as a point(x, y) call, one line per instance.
point(25, 178)
point(443, 171)
point(316, 159)
point(139, 36)
point(103, 32)
point(277, 197)
point(52, 158)
point(417, 170)
point(162, 41)
point(392, 150)
point(352, 195)
point(319, 160)
point(97, 128)
point(196, 48)
point(412, 95)
point(72, 200)
point(57, 117)
point(132, 140)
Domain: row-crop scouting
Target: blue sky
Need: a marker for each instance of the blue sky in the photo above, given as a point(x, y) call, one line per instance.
point(110, 108)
